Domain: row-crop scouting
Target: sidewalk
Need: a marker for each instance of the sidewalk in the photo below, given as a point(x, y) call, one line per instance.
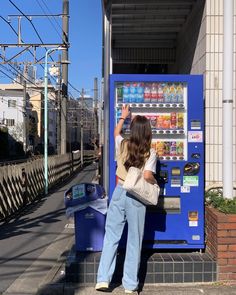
point(38, 280)
point(174, 289)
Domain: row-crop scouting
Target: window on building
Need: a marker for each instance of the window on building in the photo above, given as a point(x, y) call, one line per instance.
point(11, 103)
point(10, 122)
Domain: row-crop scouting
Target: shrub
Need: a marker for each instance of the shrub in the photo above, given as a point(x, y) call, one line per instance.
point(215, 199)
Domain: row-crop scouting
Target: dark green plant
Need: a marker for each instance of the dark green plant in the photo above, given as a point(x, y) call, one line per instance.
point(215, 198)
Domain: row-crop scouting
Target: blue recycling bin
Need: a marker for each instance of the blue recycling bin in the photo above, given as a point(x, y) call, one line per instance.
point(89, 205)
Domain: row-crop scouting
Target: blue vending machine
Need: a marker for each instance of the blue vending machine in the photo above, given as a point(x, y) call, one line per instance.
point(174, 105)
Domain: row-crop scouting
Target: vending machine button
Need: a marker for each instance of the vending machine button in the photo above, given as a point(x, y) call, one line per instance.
point(196, 156)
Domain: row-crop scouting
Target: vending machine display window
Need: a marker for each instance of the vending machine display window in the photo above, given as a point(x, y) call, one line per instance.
point(164, 104)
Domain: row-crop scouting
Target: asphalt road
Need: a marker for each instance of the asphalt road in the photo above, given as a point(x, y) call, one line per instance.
point(24, 238)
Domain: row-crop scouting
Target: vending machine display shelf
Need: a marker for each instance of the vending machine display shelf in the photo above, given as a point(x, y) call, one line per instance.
point(167, 131)
point(171, 158)
point(153, 105)
point(158, 131)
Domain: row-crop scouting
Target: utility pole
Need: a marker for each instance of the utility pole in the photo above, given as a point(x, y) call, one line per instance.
point(95, 111)
point(82, 128)
point(65, 40)
point(24, 118)
point(59, 110)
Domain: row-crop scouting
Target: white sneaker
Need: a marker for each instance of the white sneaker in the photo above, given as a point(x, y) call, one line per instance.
point(102, 286)
point(131, 291)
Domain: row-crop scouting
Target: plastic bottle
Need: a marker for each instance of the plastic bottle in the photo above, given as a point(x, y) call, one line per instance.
point(119, 94)
point(147, 93)
point(160, 94)
point(140, 91)
point(126, 92)
point(180, 93)
point(154, 93)
point(172, 93)
point(166, 93)
point(133, 91)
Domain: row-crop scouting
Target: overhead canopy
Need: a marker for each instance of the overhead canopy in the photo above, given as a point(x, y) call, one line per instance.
point(146, 31)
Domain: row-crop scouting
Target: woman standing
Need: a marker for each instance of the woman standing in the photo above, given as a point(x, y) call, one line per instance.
point(135, 151)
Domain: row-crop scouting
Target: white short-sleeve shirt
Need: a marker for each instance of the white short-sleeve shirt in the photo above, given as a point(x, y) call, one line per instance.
point(151, 162)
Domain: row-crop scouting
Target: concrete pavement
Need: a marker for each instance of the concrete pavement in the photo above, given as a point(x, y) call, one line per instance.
point(46, 278)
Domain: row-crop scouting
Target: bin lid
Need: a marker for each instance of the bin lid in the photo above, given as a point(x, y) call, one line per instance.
point(82, 193)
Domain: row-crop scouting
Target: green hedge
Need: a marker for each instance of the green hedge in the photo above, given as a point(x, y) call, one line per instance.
point(215, 198)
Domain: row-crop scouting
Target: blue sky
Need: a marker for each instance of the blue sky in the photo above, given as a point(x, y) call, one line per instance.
point(85, 35)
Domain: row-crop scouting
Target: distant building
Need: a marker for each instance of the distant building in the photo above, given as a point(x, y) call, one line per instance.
point(35, 103)
point(12, 116)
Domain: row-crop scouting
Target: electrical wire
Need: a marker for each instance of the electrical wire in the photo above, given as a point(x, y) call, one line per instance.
point(49, 17)
point(31, 22)
point(37, 35)
point(9, 24)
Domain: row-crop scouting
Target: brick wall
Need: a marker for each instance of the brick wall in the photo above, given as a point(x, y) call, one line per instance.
point(221, 242)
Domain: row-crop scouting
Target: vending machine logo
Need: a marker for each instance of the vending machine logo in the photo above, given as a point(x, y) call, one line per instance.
point(195, 136)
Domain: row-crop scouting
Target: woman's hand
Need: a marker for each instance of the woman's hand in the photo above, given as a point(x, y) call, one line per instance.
point(125, 111)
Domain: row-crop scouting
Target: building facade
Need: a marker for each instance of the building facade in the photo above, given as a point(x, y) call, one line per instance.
point(174, 37)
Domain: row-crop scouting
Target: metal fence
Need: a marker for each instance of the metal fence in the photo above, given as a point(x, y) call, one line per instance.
point(21, 184)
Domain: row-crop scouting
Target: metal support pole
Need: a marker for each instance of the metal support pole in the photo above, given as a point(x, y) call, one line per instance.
point(107, 71)
point(24, 118)
point(65, 40)
point(59, 111)
point(82, 128)
point(228, 100)
point(46, 122)
point(46, 116)
point(95, 111)
point(19, 30)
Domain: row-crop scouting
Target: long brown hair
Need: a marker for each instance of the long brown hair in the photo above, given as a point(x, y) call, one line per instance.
point(139, 143)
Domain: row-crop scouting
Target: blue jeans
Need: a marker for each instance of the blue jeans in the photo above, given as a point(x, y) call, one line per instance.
point(123, 208)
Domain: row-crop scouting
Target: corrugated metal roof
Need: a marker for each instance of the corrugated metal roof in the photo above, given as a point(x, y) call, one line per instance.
point(143, 26)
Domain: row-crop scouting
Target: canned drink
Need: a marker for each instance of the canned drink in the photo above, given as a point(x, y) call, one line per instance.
point(153, 121)
point(180, 148)
point(167, 148)
point(173, 121)
point(160, 148)
point(173, 150)
point(159, 122)
point(180, 121)
point(166, 121)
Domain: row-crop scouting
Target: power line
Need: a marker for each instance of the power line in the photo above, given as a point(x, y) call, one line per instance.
point(49, 17)
point(9, 24)
point(31, 22)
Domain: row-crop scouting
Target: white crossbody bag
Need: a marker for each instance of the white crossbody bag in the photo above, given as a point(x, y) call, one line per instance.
point(142, 190)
